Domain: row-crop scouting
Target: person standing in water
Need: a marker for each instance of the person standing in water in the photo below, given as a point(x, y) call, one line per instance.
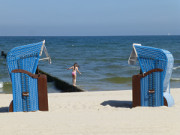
point(74, 68)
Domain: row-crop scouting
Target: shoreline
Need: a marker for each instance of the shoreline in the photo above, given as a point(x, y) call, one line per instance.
point(102, 112)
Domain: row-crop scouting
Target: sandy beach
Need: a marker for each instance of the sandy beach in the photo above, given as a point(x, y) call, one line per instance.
point(92, 113)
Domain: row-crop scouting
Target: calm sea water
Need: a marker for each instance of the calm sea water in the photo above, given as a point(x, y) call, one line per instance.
point(102, 60)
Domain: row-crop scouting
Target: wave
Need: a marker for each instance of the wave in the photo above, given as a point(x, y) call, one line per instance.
point(175, 79)
point(174, 68)
point(122, 80)
point(117, 80)
point(7, 87)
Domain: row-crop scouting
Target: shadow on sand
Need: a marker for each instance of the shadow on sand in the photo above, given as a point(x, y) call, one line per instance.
point(4, 109)
point(115, 103)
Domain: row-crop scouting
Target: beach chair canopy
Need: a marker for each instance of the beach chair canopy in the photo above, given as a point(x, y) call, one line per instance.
point(27, 57)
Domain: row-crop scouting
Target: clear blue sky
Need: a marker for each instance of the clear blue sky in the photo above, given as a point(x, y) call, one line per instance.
point(89, 17)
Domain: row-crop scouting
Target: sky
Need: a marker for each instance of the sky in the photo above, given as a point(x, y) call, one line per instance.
point(89, 17)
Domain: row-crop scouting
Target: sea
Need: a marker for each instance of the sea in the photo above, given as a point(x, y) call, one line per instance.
point(103, 60)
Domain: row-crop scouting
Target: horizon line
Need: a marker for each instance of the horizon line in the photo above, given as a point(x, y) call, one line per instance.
point(80, 35)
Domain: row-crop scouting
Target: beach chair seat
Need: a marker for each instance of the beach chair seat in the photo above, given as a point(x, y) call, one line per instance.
point(22, 64)
point(152, 86)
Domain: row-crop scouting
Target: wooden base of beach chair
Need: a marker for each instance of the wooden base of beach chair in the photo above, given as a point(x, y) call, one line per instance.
point(136, 87)
point(42, 92)
point(11, 106)
point(136, 91)
point(165, 102)
point(42, 89)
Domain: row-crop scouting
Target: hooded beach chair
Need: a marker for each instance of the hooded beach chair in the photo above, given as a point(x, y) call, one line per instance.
point(27, 87)
point(152, 86)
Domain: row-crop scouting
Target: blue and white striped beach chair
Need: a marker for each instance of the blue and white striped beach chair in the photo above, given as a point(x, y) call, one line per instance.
point(152, 86)
point(22, 63)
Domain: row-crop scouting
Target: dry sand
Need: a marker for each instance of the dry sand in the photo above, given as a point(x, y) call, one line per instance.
point(92, 113)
